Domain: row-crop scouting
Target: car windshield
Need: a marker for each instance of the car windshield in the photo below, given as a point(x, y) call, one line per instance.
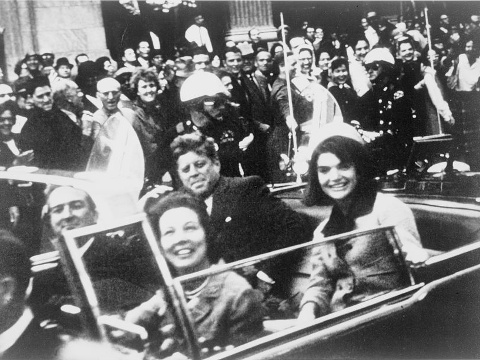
point(232, 304)
point(116, 272)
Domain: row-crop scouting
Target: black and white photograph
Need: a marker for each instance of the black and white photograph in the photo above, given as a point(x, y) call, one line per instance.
point(239, 179)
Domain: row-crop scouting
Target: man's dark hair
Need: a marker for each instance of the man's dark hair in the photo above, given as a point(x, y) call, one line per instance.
point(36, 82)
point(126, 48)
point(232, 49)
point(9, 105)
point(337, 62)
point(14, 261)
point(358, 39)
point(194, 142)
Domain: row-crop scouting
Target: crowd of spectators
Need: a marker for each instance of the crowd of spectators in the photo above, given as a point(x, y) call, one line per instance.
point(435, 77)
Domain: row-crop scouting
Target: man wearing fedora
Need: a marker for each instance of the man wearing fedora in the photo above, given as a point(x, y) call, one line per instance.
point(63, 68)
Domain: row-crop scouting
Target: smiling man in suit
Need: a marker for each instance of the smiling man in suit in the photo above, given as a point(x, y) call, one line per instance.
point(245, 218)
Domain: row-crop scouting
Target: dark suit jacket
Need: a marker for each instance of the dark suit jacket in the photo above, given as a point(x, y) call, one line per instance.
point(6, 155)
point(35, 343)
point(55, 139)
point(247, 220)
point(260, 107)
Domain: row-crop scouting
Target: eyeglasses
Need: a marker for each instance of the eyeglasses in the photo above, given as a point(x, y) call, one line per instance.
point(7, 94)
point(373, 66)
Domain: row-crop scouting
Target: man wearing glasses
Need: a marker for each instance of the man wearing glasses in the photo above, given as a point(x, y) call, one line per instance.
point(109, 93)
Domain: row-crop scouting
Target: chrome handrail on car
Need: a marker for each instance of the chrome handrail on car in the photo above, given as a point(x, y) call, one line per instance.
point(277, 189)
point(262, 257)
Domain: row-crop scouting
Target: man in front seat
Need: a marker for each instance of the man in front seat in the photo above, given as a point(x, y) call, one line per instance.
point(68, 208)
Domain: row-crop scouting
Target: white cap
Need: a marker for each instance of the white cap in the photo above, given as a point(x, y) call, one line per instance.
point(379, 54)
point(201, 84)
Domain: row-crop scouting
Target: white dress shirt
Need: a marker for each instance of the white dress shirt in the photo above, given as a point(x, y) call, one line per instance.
point(10, 336)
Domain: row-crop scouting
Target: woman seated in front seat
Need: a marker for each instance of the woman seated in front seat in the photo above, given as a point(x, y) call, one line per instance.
point(224, 307)
point(346, 272)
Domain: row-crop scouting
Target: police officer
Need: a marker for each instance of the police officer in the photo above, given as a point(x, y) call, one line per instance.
point(212, 114)
point(386, 113)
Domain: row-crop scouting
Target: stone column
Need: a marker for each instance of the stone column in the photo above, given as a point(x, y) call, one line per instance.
point(63, 28)
point(247, 14)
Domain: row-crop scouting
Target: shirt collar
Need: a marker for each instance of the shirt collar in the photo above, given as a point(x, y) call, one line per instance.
point(332, 84)
point(209, 203)
point(10, 336)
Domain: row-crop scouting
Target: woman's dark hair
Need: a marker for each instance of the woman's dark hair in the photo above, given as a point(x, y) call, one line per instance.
point(18, 67)
point(349, 151)
point(100, 62)
point(406, 39)
point(146, 75)
point(176, 200)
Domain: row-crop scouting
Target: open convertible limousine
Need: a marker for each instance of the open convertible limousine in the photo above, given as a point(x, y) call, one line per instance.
point(433, 315)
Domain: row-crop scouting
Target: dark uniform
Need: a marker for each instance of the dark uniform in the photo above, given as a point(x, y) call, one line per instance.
point(347, 100)
point(386, 110)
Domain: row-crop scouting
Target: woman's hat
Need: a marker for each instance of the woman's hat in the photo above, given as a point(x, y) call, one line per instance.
point(335, 129)
point(63, 61)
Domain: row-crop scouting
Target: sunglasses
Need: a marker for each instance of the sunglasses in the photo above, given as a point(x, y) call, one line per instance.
point(212, 102)
point(373, 67)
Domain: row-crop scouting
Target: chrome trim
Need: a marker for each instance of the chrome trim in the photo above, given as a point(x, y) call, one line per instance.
point(258, 258)
point(315, 336)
